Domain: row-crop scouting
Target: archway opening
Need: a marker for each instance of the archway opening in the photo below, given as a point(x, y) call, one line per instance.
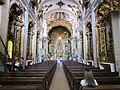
point(59, 42)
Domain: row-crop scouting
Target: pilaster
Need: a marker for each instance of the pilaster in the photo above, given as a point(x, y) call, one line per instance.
point(25, 34)
point(94, 39)
point(85, 43)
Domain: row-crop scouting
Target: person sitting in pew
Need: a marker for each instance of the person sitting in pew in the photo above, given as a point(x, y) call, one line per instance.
point(89, 79)
point(21, 63)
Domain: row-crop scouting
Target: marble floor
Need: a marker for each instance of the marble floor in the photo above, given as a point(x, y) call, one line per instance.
point(59, 81)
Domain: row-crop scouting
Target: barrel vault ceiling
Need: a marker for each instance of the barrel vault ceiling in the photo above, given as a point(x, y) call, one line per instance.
point(66, 10)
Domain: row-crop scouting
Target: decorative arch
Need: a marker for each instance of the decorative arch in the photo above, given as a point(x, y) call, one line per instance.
point(60, 22)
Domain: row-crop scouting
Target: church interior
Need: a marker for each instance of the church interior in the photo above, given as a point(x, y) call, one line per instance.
point(48, 44)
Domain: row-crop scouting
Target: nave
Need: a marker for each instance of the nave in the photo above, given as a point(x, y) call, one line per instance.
point(59, 81)
point(65, 75)
point(39, 31)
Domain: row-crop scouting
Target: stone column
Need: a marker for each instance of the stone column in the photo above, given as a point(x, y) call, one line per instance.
point(41, 38)
point(39, 49)
point(40, 46)
point(72, 45)
point(25, 34)
point(40, 53)
point(85, 43)
point(46, 48)
point(94, 39)
point(34, 43)
point(84, 38)
point(31, 44)
point(79, 46)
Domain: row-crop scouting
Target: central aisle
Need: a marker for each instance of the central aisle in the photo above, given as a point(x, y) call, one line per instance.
point(59, 81)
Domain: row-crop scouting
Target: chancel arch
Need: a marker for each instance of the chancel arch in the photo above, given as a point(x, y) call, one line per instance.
point(59, 44)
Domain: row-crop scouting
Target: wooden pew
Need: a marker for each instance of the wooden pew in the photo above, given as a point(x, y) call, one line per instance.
point(75, 73)
point(83, 70)
point(102, 87)
point(20, 81)
point(19, 88)
point(39, 75)
point(100, 80)
point(95, 74)
point(49, 76)
point(24, 74)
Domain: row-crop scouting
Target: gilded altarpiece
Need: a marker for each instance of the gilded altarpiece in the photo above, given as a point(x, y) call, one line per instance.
point(59, 44)
point(102, 39)
point(104, 27)
point(15, 27)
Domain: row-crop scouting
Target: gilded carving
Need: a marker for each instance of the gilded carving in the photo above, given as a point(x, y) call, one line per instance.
point(102, 41)
point(109, 6)
point(15, 27)
point(104, 27)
